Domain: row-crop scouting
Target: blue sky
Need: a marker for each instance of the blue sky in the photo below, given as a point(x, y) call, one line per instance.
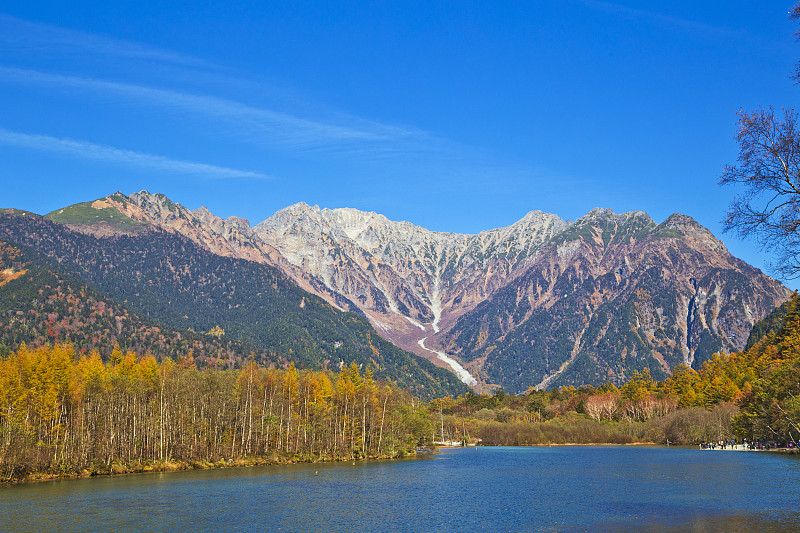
point(457, 116)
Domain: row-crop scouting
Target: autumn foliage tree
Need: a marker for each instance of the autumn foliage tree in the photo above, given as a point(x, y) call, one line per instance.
point(61, 413)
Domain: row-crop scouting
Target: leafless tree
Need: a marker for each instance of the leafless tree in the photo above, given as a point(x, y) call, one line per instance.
point(768, 167)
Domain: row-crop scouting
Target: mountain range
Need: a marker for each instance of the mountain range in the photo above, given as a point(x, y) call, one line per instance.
point(542, 302)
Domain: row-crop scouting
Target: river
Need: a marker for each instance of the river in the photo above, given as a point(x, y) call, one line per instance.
point(587, 488)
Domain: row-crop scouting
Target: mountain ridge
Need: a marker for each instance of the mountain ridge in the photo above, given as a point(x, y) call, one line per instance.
point(422, 289)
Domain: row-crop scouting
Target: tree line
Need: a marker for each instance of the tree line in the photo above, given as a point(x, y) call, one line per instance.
point(62, 413)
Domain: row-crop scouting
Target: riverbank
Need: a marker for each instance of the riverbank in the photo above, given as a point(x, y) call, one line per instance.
point(120, 469)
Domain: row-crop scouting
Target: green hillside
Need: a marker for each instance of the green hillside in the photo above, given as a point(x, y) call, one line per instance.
point(83, 214)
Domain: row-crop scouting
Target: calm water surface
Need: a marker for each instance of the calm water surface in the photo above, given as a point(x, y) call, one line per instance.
point(606, 488)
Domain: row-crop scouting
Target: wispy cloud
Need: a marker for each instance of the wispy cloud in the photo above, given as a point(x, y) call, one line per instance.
point(275, 126)
point(300, 126)
point(20, 35)
point(87, 150)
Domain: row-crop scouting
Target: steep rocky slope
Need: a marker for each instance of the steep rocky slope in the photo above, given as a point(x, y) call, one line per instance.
point(399, 266)
point(612, 294)
point(406, 278)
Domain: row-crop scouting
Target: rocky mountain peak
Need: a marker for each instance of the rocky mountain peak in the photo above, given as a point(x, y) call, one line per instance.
point(296, 210)
point(238, 222)
point(533, 221)
point(204, 215)
point(158, 207)
point(682, 222)
point(685, 227)
point(599, 214)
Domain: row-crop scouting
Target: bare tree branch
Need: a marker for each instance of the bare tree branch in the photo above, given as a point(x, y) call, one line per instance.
point(768, 167)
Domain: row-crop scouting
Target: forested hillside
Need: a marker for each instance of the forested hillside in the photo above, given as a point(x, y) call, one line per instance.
point(172, 281)
point(41, 305)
